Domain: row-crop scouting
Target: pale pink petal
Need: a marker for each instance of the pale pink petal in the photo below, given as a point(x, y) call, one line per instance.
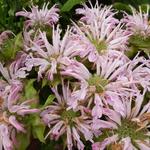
point(16, 124)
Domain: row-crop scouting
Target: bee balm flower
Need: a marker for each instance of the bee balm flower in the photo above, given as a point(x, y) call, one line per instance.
point(100, 33)
point(129, 131)
point(97, 14)
point(12, 112)
point(138, 22)
point(50, 58)
point(75, 124)
point(106, 86)
point(40, 17)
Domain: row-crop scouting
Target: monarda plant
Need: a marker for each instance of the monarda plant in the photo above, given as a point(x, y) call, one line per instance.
point(80, 88)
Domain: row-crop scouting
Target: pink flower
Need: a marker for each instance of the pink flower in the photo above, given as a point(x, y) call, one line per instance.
point(105, 86)
point(5, 140)
point(62, 120)
point(138, 22)
point(12, 75)
point(97, 14)
point(129, 130)
point(16, 69)
point(138, 72)
point(11, 104)
point(97, 41)
point(40, 17)
point(50, 58)
point(100, 33)
point(13, 108)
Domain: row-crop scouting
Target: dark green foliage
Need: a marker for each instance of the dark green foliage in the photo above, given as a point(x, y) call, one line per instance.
point(140, 43)
point(37, 127)
point(52, 145)
point(44, 94)
point(8, 8)
point(24, 140)
point(122, 7)
point(70, 4)
point(134, 3)
point(10, 48)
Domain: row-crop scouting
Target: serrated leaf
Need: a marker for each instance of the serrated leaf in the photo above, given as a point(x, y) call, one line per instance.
point(70, 4)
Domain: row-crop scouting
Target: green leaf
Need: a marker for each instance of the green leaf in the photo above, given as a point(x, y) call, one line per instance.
point(29, 91)
point(11, 12)
point(38, 127)
point(24, 140)
point(134, 3)
point(38, 132)
point(18, 41)
point(70, 4)
point(49, 100)
point(131, 53)
point(122, 7)
point(44, 82)
point(141, 43)
point(11, 47)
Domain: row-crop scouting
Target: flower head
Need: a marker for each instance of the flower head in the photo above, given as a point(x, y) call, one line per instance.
point(40, 17)
point(106, 86)
point(97, 41)
point(75, 124)
point(129, 131)
point(138, 22)
point(97, 14)
point(100, 33)
point(138, 72)
point(15, 71)
point(51, 57)
point(13, 107)
point(12, 111)
point(11, 76)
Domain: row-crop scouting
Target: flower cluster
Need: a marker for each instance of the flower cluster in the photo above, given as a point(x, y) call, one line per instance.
point(97, 93)
point(14, 107)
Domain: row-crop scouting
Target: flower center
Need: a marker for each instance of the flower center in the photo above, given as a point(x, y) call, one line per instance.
point(129, 128)
point(98, 82)
point(100, 46)
point(69, 115)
